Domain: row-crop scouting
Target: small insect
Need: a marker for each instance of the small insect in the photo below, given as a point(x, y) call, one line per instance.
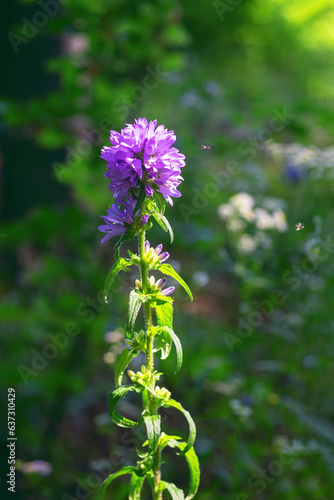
point(299, 226)
point(205, 147)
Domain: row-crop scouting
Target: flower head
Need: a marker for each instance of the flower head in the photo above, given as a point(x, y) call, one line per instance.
point(143, 155)
point(120, 219)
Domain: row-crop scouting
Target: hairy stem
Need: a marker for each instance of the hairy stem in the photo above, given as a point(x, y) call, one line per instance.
point(149, 356)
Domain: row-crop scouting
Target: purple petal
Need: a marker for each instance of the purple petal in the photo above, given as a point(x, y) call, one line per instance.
point(168, 291)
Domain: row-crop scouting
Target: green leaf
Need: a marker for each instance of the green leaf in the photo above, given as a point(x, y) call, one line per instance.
point(178, 347)
point(135, 301)
point(140, 199)
point(174, 491)
point(153, 428)
point(116, 268)
point(123, 361)
point(130, 469)
point(114, 397)
point(191, 457)
point(170, 271)
point(163, 222)
point(191, 423)
point(160, 202)
point(164, 314)
point(163, 343)
point(194, 470)
point(135, 487)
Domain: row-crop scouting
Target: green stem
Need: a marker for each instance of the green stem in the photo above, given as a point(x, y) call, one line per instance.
point(149, 357)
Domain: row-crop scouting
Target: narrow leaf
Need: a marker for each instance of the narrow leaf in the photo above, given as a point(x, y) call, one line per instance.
point(116, 268)
point(114, 397)
point(163, 343)
point(191, 457)
point(178, 347)
point(135, 301)
point(164, 314)
point(191, 423)
point(135, 487)
point(130, 469)
point(160, 202)
point(164, 224)
point(194, 470)
point(153, 428)
point(174, 491)
point(170, 271)
point(123, 361)
point(110, 278)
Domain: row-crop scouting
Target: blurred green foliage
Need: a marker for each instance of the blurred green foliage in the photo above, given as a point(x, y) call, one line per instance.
point(253, 82)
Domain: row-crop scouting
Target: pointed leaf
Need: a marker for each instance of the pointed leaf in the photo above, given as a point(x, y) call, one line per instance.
point(114, 397)
point(153, 428)
point(194, 470)
point(160, 202)
point(174, 491)
point(178, 347)
point(163, 343)
point(164, 314)
point(123, 361)
point(130, 469)
point(170, 271)
point(135, 301)
point(164, 224)
point(191, 457)
point(191, 423)
point(135, 487)
point(116, 268)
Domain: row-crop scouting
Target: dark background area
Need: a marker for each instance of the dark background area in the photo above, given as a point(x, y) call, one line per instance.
point(254, 82)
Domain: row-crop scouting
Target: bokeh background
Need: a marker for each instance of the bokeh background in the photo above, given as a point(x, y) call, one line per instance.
point(252, 81)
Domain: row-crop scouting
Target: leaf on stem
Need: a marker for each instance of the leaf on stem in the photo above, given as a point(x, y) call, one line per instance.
point(164, 224)
point(130, 469)
point(164, 313)
point(178, 347)
point(160, 202)
point(135, 301)
point(174, 491)
point(170, 271)
point(153, 428)
point(135, 487)
point(114, 397)
point(116, 268)
point(191, 423)
point(123, 361)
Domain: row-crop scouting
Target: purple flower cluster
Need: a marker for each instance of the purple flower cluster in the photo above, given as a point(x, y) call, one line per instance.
point(120, 218)
point(140, 156)
point(142, 153)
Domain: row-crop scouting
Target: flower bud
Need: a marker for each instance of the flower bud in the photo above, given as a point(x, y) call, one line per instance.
point(168, 291)
point(164, 256)
point(161, 283)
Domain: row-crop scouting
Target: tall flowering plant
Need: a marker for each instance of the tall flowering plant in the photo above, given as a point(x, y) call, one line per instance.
point(145, 171)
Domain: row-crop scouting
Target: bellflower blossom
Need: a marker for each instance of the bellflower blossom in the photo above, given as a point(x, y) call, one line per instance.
point(143, 155)
point(120, 218)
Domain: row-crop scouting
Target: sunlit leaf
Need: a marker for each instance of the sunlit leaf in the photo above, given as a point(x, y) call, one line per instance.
point(123, 361)
point(114, 397)
point(191, 423)
point(170, 271)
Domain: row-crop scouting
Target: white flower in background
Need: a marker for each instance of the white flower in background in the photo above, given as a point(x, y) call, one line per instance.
point(263, 219)
point(235, 224)
point(225, 211)
point(280, 220)
point(244, 203)
point(246, 244)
